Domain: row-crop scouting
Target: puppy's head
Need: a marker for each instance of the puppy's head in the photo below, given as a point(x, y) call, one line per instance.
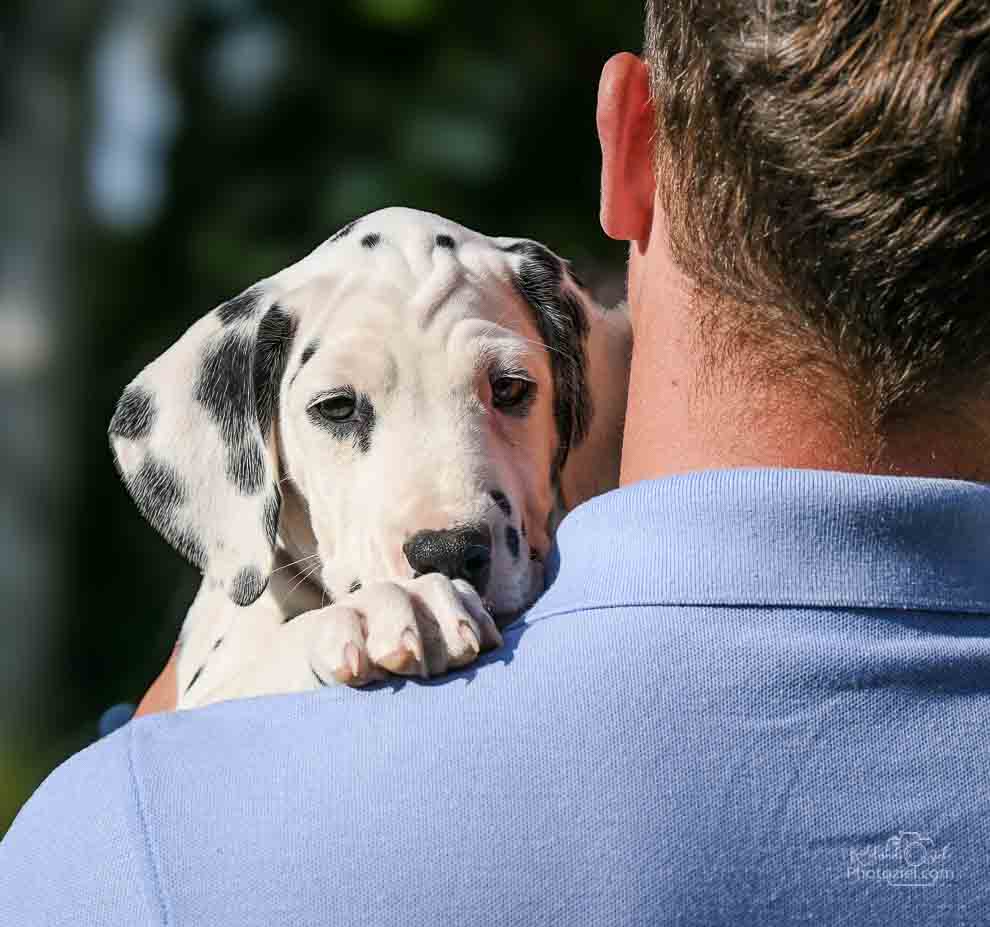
point(424, 399)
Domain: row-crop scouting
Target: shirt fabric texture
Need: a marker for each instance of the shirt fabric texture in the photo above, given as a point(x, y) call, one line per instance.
point(748, 697)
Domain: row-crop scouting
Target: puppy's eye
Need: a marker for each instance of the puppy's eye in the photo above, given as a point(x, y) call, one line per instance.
point(509, 392)
point(339, 408)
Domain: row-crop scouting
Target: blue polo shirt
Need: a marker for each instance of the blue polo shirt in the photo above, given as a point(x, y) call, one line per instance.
point(748, 697)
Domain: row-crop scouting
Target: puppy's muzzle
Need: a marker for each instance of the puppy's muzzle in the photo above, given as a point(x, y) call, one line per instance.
point(458, 553)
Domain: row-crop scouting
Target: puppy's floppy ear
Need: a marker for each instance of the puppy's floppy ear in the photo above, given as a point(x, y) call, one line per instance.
point(193, 440)
point(589, 350)
point(592, 466)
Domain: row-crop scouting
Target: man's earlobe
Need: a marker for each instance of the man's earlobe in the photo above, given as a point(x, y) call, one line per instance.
point(626, 126)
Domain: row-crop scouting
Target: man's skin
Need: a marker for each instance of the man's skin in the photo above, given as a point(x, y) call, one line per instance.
point(679, 417)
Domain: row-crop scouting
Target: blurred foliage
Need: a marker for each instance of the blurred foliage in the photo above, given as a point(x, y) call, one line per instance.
point(294, 118)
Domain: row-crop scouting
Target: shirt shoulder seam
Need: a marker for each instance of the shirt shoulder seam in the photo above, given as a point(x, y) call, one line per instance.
point(156, 880)
point(934, 608)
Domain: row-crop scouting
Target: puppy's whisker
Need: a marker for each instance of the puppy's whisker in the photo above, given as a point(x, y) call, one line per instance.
point(539, 344)
point(305, 577)
point(294, 563)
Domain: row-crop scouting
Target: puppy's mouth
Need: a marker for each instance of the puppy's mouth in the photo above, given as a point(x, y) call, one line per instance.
point(504, 616)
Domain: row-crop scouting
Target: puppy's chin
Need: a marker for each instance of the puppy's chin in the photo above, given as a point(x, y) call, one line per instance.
point(506, 612)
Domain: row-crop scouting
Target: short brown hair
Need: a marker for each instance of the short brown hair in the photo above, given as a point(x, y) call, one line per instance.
point(826, 171)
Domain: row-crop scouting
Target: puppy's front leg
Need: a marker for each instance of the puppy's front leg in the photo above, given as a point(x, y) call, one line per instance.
point(420, 627)
point(231, 652)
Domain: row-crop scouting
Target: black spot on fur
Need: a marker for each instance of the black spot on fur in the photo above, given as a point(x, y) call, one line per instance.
point(273, 506)
point(512, 541)
point(246, 468)
point(371, 241)
point(355, 586)
point(224, 385)
point(239, 376)
point(502, 501)
point(158, 490)
point(345, 231)
point(238, 385)
point(275, 334)
point(362, 437)
point(445, 241)
point(247, 586)
point(311, 349)
point(216, 645)
point(240, 308)
point(307, 356)
point(195, 678)
point(317, 677)
point(135, 414)
point(563, 326)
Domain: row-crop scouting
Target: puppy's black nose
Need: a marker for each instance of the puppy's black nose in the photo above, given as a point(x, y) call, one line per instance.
point(460, 553)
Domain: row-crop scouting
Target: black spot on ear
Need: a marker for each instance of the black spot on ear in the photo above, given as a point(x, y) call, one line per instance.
point(371, 241)
point(246, 468)
point(158, 491)
point(247, 586)
point(275, 334)
point(502, 501)
point(512, 541)
point(563, 326)
point(135, 414)
point(355, 586)
point(224, 390)
point(445, 241)
point(241, 308)
point(345, 231)
point(273, 506)
point(239, 376)
point(223, 387)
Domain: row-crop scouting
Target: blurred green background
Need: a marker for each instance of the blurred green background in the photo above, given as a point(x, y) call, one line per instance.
point(160, 155)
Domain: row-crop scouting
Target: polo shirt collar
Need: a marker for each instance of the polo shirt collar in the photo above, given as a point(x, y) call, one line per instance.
point(777, 537)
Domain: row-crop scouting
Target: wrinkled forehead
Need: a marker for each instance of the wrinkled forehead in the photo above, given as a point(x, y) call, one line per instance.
point(406, 268)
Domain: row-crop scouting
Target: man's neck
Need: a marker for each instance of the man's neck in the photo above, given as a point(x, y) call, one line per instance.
point(684, 416)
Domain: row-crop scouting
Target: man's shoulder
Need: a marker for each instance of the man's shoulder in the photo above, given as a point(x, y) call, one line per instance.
point(77, 852)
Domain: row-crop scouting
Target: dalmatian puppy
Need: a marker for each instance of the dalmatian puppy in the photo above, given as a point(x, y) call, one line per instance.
point(368, 453)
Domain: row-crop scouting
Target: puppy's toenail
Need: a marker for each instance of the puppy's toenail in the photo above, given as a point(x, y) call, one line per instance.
point(410, 640)
point(352, 657)
point(470, 638)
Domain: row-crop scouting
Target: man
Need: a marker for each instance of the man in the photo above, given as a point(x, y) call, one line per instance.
point(758, 691)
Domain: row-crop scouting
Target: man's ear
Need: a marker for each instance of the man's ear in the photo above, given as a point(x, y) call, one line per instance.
point(193, 439)
point(626, 130)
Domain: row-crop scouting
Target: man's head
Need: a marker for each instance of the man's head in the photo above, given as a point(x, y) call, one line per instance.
point(419, 396)
point(822, 176)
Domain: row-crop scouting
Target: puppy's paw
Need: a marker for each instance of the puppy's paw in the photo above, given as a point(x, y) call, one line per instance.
point(420, 627)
